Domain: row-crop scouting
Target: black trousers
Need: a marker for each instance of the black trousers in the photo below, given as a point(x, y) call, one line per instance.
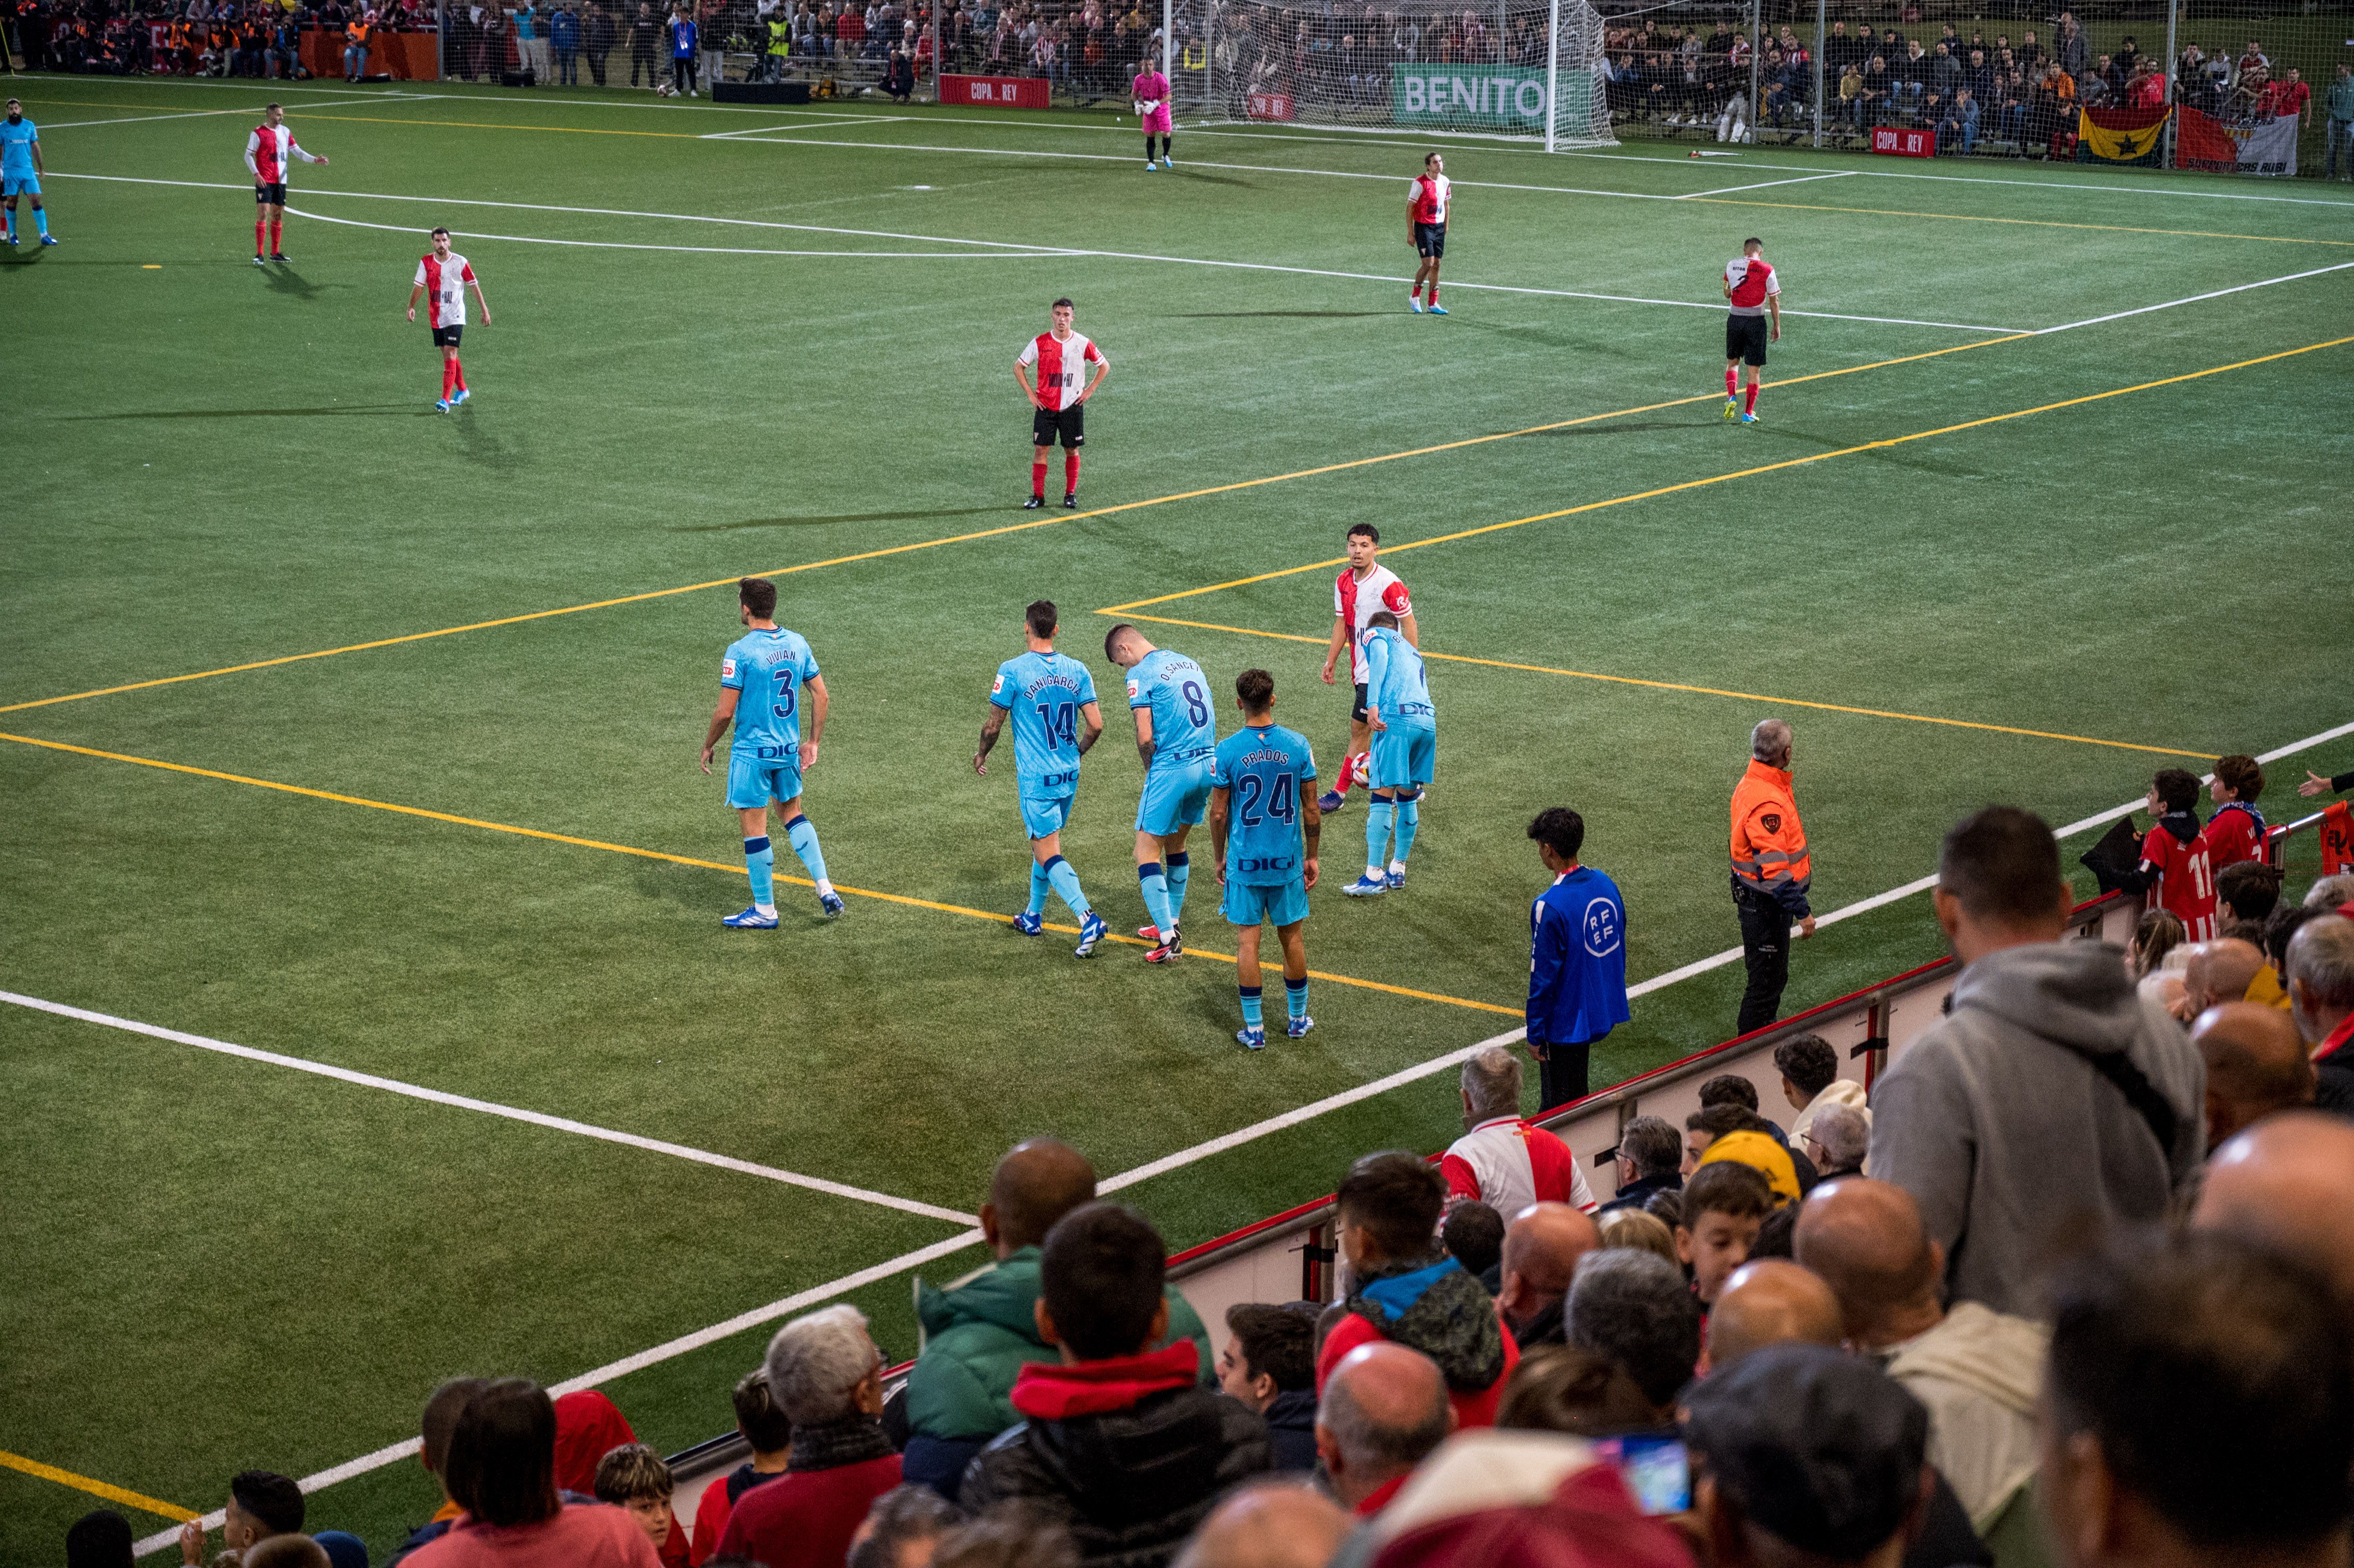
point(596, 67)
point(1560, 1076)
point(1765, 953)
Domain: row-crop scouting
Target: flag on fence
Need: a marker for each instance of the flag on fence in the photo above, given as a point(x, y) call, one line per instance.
point(2219, 146)
point(2130, 135)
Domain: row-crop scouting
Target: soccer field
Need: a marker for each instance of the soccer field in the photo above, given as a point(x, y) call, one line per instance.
point(362, 737)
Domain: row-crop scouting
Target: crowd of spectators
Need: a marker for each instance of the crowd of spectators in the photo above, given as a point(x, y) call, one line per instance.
point(205, 38)
point(2072, 1283)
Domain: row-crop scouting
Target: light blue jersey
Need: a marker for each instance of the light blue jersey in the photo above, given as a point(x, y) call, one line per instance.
point(769, 666)
point(1183, 728)
point(1044, 693)
point(1267, 770)
point(1397, 685)
point(16, 140)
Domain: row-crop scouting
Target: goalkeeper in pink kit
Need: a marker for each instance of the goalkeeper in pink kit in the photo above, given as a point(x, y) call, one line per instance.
point(1151, 91)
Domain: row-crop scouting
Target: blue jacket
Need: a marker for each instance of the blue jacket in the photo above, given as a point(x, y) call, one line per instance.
point(1577, 959)
point(564, 31)
point(682, 38)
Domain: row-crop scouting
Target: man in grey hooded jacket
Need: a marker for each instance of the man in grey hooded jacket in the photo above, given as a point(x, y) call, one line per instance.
point(2051, 1101)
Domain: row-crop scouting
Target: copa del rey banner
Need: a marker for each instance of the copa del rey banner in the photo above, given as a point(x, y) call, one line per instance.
point(2259, 147)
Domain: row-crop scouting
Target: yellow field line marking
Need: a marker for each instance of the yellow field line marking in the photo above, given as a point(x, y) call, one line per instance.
point(1698, 690)
point(106, 1490)
point(984, 533)
point(1137, 604)
point(2026, 222)
point(541, 833)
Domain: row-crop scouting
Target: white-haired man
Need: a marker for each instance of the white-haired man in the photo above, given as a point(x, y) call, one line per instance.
point(1501, 1161)
point(2321, 999)
point(826, 1375)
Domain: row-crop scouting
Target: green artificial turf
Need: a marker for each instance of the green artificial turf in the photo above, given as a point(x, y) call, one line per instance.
point(218, 1263)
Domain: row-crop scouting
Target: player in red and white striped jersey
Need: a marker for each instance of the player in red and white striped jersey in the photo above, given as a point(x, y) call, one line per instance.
point(443, 276)
point(1428, 201)
point(269, 147)
point(1752, 288)
point(1363, 588)
point(1059, 400)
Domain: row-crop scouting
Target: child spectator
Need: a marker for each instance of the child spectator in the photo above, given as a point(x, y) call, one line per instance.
point(764, 1427)
point(2176, 859)
point(2236, 832)
point(1724, 1202)
point(634, 1477)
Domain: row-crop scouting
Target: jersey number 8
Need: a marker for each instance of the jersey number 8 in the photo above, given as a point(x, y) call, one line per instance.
point(1196, 707)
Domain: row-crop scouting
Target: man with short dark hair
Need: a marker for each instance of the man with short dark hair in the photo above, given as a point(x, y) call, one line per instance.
point(1473, 1235)
point(761, 678)
point(1811, 1082)
point(2256, 1066)
point(1403, 1287)
point(1059, 403)
point(1363, 588)
point(443, 279)
point(1264, 830)
point(979, 1330)
point(1384, 1409)
point(1648, 1159)
point(769, 1436)
point(1269, 1364)
point(2321, 998)
point(1052, 699)
point(2200, 1410)
point(1633, 1308)
point(1577, 959)
point(1121, 1445)
point(1404, 750)
point(100, 1539)
point(1176, 734)
point(261, 1503)
point(1772, 868)
point(2050, 1092)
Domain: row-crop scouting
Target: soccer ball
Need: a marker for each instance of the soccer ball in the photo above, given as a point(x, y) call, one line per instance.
point(664, 90)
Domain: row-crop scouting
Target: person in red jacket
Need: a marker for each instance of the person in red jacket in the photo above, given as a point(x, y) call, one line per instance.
point(828, 1376)
point(2236, 832)
point(2177, 866)
point(1405, 1288)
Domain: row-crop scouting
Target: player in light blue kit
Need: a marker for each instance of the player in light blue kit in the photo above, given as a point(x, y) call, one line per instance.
point(1406, 742)
point(1050, 696)
point(1176, 731)
point(760, 684)
point(1264, 825)
point(20, 169)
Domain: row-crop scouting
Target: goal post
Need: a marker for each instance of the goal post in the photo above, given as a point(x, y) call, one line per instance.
point(1524, 69)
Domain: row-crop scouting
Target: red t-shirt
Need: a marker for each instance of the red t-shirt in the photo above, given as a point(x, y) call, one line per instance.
point(805, 1518)
point(2185, 885)
point(2336, 838)
point(2233, 836)
point(1475, 1409)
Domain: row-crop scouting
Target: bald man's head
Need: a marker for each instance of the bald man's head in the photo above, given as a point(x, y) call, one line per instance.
point(1542, 1247)
point(1771, 1302)
point(1865, 1239)
point(1382, 1410)
point(2283, 1182)
point(2221, 971)
point(1274, 1524)
point(1038, 1183)
point(2255, 1066)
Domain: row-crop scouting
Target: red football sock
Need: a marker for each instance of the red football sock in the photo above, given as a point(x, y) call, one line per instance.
point(1434, 291)
point(449, 374)
point(1415, 292)
point(260, 227)
point(1347, 776)
point(1732, 382)
point(458, 372)
point(1070, 474)
point(1749, 405)
point(1038, 479)
point(277, 228)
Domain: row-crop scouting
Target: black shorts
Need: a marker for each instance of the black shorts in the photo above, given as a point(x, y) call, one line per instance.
point(1046, 424)
point(447, 337)
point(1357, 712)
point(1430, 239)
point(272, 194)
point(1744, 339)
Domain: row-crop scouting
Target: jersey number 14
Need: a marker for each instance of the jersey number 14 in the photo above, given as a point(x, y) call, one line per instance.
point(1060, 720)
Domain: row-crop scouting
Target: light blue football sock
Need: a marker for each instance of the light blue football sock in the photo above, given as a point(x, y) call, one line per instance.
point(1037, 889)
point(1295, 996)
point(1250, 994)
point(762, 861)
point(1155, 887)
point(1409, 818)
point(41, 220)
point(1180, 868)
point(1066, 883)
point(1378, 814)
point(10, 214)
point(803, 838)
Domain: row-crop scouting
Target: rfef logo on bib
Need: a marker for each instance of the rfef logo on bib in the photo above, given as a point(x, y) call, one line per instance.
point(1509, 96)
point(1602, 930)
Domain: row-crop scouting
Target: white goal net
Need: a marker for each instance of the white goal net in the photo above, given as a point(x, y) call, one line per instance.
point(1530, 69)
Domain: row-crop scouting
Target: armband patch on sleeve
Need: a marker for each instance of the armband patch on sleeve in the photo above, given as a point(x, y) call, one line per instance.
point(727, 669)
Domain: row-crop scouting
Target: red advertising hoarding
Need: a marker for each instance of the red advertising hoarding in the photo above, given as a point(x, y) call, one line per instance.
point(995, 91)
point(1904, 140)
point(1271, 106)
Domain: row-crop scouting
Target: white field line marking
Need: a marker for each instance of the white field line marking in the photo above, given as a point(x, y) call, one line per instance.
point(904, 1261)
point(2194, 299)
point(1003, 244)
point(395, 1453)
point(205, 113)
point(1658, 983)
point(704, 249)
point(1803, 179)
point(812, 125)
point(487, 1108)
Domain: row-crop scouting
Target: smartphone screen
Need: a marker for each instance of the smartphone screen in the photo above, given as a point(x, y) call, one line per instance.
point(1657, 1470)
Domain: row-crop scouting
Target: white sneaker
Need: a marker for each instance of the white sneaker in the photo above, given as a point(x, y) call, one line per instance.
point(1369, 886)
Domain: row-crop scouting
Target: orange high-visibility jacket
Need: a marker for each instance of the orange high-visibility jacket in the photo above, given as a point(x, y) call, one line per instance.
point(1769, 845)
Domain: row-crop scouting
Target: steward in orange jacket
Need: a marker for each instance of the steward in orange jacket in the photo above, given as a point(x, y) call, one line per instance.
point(1771, 872)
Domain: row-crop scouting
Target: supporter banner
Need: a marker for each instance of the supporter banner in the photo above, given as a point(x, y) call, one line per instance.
point(403, 56)
point(2120, 136)
point(1272, 106)
point(2204, 141)
point(2267, 147)
point(1507, 96)
point(995, 91)
point(1904, 140)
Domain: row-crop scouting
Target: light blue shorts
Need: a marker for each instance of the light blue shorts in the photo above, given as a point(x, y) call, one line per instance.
point(1401, 756)
point(754, 776)
point(1042, 817)
point(1245, 904)
point(20, 185)
point(1177, 795)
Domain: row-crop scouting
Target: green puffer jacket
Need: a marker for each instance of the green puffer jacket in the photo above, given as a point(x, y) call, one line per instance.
point(977, 1333)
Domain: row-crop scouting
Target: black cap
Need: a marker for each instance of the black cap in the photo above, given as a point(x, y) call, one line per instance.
point(1818, 1447)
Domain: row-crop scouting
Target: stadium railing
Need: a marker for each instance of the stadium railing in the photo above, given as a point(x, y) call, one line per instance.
point(1288, 1256)
point(2281, 849)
